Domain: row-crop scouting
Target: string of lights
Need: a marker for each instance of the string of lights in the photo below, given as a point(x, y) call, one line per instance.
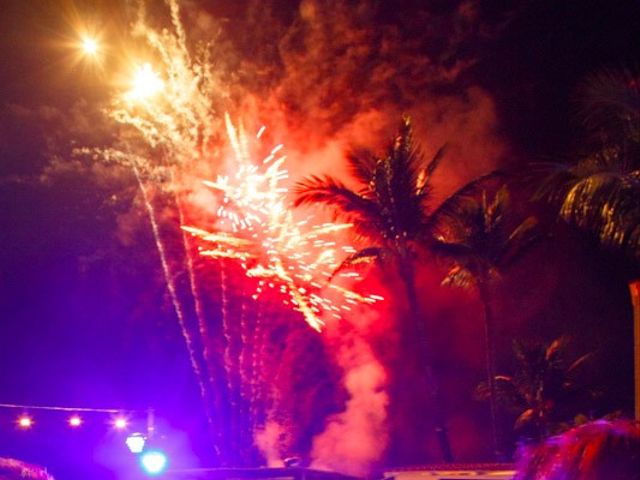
point(66, 409)
point(119, 417)
point(152, 460)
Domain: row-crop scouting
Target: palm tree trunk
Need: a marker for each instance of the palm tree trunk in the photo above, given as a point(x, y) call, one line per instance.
point(634, 290)
point(407, 274)
point(490, 359)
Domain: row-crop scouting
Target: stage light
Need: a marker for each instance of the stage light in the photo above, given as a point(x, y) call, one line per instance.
point(120, 423)
point(135, 442)
point(25, 421)
point(154, 462)
point(75, 421)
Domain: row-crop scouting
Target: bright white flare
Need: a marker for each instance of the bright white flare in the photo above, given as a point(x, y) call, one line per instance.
point(120, 423)
point(146, 83)
point(75, 421)
point(90, 46)
point(25, 421)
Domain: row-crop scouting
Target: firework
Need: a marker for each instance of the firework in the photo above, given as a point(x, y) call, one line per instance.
point(170, 134)
point(256, 228)
point(168, 125)
point(169, 102)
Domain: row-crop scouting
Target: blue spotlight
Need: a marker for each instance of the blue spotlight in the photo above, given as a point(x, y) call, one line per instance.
point(154, 462)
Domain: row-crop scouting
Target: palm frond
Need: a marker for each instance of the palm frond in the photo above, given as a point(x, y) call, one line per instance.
point(423, 181)
point(403, 144)
point(362, 165)
point(525, 418)
point(579, 362)
point(551, 180)
point(520, 352)
point(556, 348)
point(331, 192)
point(459, 277)
point(478, 237)
point(520, 241)
point(600, 193)
point(506, 391)
point(608, 204)
point(389, 206)
point(449, 208)
point(440, 247)
point(494, 214)
point(611, 100)
point(393, 188)
point(364, 256)
point(524, 230)
point(397, 172)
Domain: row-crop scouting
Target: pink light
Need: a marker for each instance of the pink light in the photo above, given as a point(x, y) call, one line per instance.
point(75, 421)
point(25, 421)
point(120, 423)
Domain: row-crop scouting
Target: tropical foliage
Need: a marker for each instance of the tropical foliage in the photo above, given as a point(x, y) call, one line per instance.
point(390, 209)
point(391, 205)
point(546, 391)
point(601, 191)
point(478, 239)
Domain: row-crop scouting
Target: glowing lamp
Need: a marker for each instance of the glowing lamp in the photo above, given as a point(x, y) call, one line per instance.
point(25, 421)
point(75, 421)
point(135, 442)
point(154, 462)
point(120, 423)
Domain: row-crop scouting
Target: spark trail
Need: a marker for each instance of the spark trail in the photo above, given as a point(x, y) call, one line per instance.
point(195, 359)
point(167, 115)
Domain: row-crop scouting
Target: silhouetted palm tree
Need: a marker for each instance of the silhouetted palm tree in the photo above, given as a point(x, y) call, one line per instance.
point(545, 389)
point(478, 240)
point(601, 191)
point(390, 210)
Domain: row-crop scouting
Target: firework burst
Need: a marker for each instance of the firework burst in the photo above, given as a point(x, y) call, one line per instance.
point(294, 257)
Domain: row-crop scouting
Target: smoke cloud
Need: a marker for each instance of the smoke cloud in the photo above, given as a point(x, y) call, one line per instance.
point(355, 439)
point(343, 74)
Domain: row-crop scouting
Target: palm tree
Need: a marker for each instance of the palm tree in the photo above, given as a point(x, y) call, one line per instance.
point(545, 390)
point(600, 193)
point(390, 210)
point(478, 241)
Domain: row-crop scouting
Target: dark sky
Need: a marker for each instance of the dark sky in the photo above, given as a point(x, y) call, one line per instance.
point(83, 319)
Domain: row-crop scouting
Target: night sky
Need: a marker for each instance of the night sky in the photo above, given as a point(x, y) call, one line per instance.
point(85, 319)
